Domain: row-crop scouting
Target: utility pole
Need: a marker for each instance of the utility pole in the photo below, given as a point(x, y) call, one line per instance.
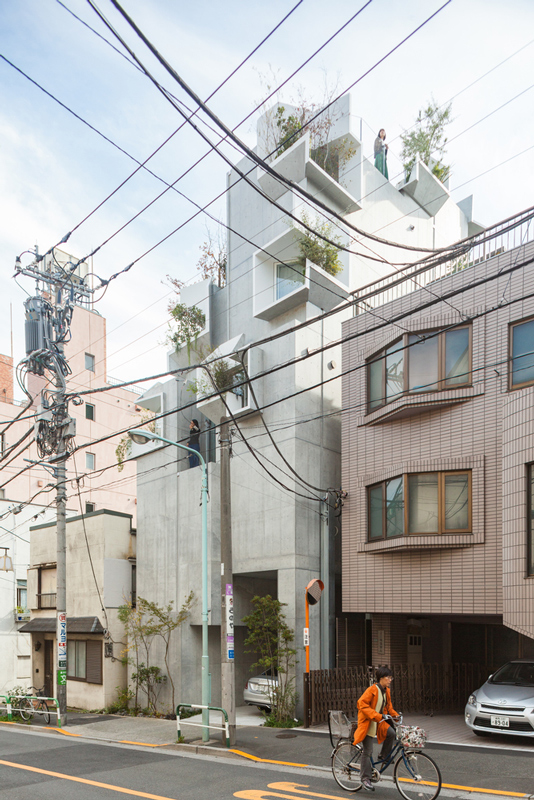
point(48, 317)
point(227, 588)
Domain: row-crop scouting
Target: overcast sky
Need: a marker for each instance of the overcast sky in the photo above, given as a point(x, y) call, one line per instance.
point(55, 170)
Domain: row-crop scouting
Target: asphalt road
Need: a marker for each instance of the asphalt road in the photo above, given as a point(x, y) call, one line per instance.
point(46, 766)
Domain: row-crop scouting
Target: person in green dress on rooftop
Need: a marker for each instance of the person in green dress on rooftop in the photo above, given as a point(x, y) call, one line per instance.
point(381, 153)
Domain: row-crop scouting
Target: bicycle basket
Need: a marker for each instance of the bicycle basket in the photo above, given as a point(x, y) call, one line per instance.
point(411, 736)
point(340, 726)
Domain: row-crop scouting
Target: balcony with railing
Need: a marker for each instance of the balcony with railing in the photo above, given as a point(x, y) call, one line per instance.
point(501, 238)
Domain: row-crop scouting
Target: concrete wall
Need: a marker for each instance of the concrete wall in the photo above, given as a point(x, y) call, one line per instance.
point(276, 521)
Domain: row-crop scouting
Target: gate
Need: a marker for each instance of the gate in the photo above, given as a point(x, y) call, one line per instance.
point(420, 688)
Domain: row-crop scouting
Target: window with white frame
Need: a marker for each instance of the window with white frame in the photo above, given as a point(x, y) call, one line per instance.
point(421, 503)
point(420, 362)
point(89, 461)
point(289, 276)
point(89, 411)
point(22, 594)
point(89, 362)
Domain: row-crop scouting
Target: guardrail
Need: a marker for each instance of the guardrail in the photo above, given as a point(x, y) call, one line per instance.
point(7, 698)
point(503, 237)
point(225, 727)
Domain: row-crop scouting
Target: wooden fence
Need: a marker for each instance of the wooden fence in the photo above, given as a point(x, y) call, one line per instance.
point(421, 688)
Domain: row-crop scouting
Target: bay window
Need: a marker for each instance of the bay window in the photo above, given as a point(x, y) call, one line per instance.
point(423, 503)
point(429, 362)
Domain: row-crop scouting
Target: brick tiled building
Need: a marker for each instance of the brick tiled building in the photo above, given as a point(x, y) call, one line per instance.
point(438, 462)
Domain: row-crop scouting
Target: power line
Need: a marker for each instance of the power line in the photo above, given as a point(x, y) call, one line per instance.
point(142, 165)
point(233, 137)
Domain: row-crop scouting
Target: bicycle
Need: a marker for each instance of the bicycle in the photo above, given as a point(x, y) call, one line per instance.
point(416, 775)
point(27, 705)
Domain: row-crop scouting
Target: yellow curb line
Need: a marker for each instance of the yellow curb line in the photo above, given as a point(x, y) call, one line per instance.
point(484, 791)
point(268, 760)
point(443, 785)
point(145, 744)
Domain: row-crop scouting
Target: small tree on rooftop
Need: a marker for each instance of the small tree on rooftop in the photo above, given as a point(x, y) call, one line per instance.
point(427, 140)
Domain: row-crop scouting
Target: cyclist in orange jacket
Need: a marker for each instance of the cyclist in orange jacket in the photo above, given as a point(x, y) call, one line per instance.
point(374, 707)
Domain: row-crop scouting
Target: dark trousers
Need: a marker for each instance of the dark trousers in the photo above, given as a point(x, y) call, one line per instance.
point(194, 460)
point(385, 750)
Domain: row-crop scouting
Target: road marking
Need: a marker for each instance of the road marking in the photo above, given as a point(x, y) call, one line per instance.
point(144, 744)
point(267, 760)
point(297, 788)
point(498, 792)
point(109, 786)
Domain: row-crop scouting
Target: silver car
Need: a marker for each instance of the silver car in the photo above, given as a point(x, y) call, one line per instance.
point(258, 691)
point(505, 703)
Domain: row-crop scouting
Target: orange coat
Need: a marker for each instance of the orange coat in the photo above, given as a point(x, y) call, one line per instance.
point(366, 714)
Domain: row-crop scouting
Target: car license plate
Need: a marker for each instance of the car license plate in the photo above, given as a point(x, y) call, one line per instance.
point(500, 722)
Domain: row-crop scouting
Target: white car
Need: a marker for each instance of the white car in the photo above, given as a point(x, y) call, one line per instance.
point(505, 703)
point(258, 691)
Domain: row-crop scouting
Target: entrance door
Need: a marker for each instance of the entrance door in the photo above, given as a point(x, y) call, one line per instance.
point(49, 668)
point(415, 649)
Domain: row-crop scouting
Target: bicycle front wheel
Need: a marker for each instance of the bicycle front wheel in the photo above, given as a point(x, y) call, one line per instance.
point(346, 766)
point(25, 709)
point(417, 776)
point(45, 713)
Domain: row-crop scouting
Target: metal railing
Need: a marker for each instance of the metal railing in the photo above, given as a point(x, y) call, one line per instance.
point(47, 600)
point(224, 727)
point(9, 707)
point(507, 235)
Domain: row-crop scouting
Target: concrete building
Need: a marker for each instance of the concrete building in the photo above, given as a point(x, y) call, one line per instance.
point(438, 452)
point(15, 651)
point(100, 570)
point(281, 530)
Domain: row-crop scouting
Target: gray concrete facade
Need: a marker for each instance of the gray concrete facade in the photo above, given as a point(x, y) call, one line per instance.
point(277, 519)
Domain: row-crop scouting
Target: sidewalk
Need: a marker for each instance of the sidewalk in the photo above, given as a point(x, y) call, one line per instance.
point(293, 745)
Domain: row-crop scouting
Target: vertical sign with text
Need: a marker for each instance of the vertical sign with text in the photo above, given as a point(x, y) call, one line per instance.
point(230, 621)
point(62, 648)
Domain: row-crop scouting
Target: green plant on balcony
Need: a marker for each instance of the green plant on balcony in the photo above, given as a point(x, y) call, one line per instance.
point(189, 321)
point(124, 447)
point(316, 249)
point(426, 141)
point(329, 155)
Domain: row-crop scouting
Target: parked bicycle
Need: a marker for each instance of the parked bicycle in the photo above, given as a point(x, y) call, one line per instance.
point(416, 775)
point(30, 703)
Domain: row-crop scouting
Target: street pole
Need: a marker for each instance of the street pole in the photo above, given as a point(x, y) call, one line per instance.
point(61, 588)
point(227, 589)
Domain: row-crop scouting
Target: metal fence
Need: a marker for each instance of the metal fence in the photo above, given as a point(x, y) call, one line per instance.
point(493, 241)
point(421, 688)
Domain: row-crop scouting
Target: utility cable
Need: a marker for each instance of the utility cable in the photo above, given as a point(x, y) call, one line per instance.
point(141, 165)
point(233, 137)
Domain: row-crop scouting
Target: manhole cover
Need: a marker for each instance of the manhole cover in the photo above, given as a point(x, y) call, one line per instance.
point(286, 736)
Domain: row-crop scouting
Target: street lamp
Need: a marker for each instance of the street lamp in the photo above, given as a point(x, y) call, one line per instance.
point(142, 437)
